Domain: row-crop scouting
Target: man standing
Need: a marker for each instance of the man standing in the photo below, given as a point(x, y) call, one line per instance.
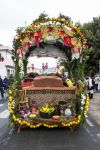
point(6, 83)
point(1, 88)
point(90, 87)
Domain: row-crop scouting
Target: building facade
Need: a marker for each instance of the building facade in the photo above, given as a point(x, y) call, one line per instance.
point(6, 62)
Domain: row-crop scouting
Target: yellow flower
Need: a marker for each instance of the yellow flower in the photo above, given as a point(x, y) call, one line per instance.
point(31, 126)
point(19, 121)
point(28, 124)
point(10, 92)
point(32, 115)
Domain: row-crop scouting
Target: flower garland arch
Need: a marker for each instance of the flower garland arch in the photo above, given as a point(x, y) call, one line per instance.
point(46, 30)
point(57, 28)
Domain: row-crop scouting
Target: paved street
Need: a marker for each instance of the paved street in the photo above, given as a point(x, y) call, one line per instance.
point(4, 117)
point(85, 138)
point(94, 108)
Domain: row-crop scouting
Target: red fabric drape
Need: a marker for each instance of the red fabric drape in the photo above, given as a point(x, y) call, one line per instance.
point(37, 40)
point(39, 33)
point(31, 35)
point(62, 32)
point(67, 40)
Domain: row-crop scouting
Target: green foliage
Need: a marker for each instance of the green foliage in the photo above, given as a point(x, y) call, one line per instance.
point(42, 16)
point(17, 43)
point(75, 67)
point(91, 31)
point(69, 63)
point(67, 18)
point(19, 30)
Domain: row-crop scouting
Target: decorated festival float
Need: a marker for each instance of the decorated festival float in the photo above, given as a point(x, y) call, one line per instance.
point(49, 100)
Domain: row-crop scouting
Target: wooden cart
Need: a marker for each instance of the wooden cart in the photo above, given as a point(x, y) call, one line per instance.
point(46, 100)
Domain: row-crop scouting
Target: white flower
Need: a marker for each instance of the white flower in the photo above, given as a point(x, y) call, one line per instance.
point(81, 108)
point(83, 96)
point(83, 102)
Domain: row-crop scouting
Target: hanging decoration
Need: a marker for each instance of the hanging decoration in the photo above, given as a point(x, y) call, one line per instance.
point(67, 40)
point(27, 45)
point(62, 33)
point(39, 33)
point(50, 28)
point(37, 40)
point(31, 36)
point(20, 52)
point(36, 31)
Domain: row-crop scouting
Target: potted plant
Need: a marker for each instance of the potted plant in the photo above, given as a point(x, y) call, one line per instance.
point(47, 111)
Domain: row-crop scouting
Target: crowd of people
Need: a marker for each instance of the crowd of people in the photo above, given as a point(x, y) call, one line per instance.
point(93, 84)
point(4, 85)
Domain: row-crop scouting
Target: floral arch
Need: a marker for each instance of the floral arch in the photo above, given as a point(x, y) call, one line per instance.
point(47, 31)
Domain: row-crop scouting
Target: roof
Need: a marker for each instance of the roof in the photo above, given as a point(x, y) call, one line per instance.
point(9, 66)
point(5, 48)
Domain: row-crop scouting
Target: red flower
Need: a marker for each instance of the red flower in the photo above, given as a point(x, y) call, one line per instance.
point(50, 28)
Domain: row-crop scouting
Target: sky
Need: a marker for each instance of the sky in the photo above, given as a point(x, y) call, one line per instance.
point(18, 13)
